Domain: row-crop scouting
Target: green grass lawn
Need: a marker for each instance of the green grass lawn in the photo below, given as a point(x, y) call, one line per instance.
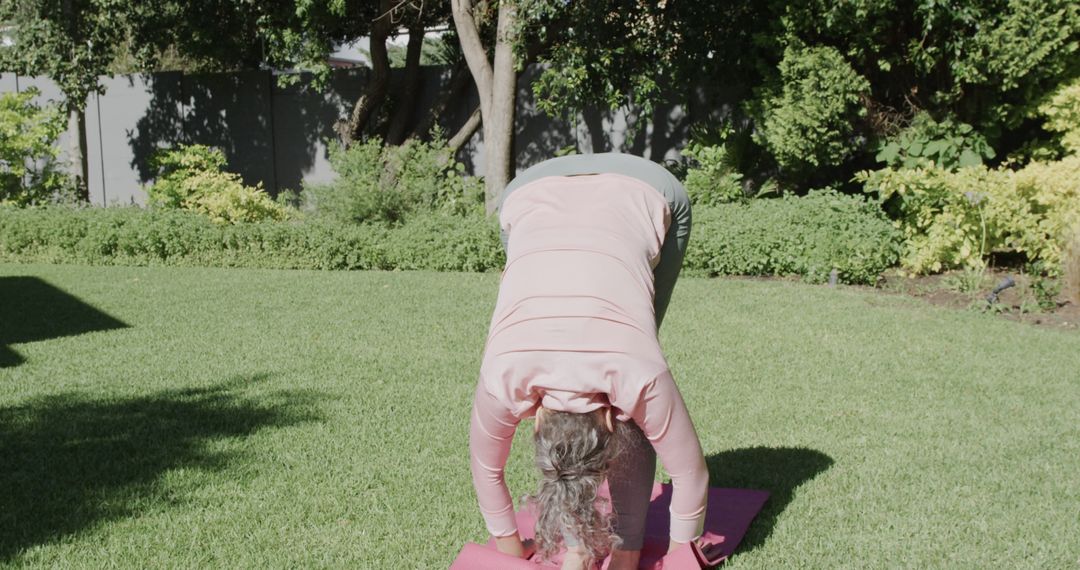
point(183, 418)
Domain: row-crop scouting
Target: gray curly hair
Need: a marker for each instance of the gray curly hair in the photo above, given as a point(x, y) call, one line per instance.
point(573, 452)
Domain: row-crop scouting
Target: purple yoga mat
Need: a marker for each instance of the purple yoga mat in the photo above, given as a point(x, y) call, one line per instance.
point(727, 518)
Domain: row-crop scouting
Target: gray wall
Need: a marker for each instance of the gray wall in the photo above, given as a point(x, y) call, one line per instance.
point(278, 136)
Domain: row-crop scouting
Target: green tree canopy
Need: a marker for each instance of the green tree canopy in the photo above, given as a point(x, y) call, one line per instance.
point(880, 63)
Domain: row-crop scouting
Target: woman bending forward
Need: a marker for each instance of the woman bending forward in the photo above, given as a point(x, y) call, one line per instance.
point(594, 246)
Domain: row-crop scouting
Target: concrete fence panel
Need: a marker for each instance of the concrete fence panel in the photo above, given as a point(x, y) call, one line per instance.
point(279, 136)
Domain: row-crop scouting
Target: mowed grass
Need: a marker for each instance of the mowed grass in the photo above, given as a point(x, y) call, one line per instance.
point(209, 418)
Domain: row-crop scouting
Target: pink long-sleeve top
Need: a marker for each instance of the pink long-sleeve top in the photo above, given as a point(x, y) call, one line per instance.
point(574, 330)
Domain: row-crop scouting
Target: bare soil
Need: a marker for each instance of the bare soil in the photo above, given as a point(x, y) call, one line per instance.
point(968, 291)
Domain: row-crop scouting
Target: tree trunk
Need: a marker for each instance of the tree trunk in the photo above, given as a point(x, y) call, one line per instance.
point(499, 124)
point(77, 153)
point(410, 87)
point(353, 128)
point(496, 87)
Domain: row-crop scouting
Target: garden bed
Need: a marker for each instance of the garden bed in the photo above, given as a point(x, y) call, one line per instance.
point(957, 290)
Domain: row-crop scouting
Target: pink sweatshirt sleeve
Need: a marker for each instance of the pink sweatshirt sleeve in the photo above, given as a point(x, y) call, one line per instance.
point(662, 416)
point(490, 434)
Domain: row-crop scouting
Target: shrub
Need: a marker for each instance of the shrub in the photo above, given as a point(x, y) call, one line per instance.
point(808, 236)
point(443, 241)
point(377, 183)
point(950, 219)
point(1071, 269)
point(1052, 189)
point(955, 219)
point(947, 143)
point(808, 118)
point(132, 236)
point(1062, 114)
point(223, 198)
point(172, 167)
point(191, 178)
point(1043, 285)
point(28, 133)
point(713, 179)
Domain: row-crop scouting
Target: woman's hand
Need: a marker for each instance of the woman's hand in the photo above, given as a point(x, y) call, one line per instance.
point(575, 559)
point(514, 546)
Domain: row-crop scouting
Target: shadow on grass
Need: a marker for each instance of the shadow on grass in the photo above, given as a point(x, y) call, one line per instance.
point(778, 470)
point(34, 310)
point(70, 462)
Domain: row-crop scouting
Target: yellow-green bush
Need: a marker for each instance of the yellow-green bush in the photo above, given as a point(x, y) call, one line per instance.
point(948, 219)
point(956, 219)
point(222, 197)
point(29, 171)
point(1053, 189)
point(1062, 114)
point(1070, 272)
point(191, 178)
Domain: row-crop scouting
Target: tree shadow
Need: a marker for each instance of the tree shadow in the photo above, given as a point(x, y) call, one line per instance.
point(34, 310)
point(656, 136)
point(778, 470)
point(537, 135)
point(72, 462)
point(303, 123)
point(269, 133)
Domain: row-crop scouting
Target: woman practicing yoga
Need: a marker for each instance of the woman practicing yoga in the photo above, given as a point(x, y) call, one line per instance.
point(594, 246)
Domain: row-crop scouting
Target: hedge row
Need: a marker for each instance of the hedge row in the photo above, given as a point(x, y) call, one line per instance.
point(132, 236)
point(807, 236)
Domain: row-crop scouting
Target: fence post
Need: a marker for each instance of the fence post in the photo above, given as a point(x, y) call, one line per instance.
point(273, 129)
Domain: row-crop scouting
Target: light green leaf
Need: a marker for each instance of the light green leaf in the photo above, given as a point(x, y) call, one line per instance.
point(888, 152)
point(970, 158)
point(935, 147)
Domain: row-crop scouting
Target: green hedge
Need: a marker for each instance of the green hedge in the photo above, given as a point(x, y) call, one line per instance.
point(132, 236)
point(808, 236)
point(789, 236)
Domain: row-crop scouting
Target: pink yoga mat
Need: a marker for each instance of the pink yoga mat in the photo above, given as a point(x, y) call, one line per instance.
point(727, 518)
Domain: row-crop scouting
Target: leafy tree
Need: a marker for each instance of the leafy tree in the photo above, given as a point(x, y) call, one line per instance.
point(27, 152)
point(985, 63)
point(496, 82)
point(220, 35)
point(73, 42)
point(613, 53)
point(298, 35)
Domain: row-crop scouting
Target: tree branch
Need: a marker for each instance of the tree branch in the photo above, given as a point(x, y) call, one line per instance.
point(353, 128)
point(465, 133)
point(473, 50)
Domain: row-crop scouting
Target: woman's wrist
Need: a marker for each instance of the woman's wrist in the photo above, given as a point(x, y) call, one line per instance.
point(511, 545)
